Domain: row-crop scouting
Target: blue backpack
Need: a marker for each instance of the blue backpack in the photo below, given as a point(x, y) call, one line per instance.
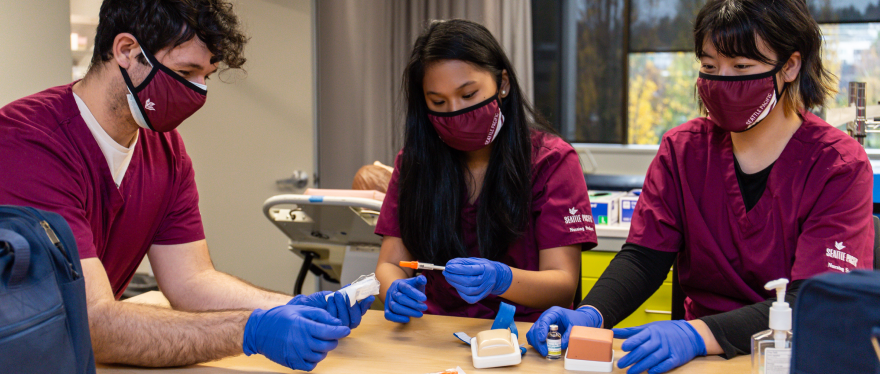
point(834, 316)
point(44, 326)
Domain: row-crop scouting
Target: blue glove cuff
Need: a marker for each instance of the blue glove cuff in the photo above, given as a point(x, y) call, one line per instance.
point(593, 317)
point(699, 344)
point(247, 344)
point(503, 278)
point(296, 300)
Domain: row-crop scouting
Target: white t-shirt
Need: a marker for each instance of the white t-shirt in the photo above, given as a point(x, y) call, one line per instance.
point(118, 157)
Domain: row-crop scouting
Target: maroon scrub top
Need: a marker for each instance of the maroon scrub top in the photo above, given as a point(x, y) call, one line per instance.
point(50, 160)
point(814, 215)
point(560, 217)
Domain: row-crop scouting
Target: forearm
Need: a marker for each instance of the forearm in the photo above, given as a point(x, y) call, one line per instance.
point(630, 279)
point(541, 289)
point(712, 346)
point(733, 330)
point(143, 335)
point(214, 290)
point(387, 273)
point(387, 269)
point(188, 279)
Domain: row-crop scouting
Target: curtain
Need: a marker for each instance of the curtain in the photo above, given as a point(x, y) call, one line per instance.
point(362, 50)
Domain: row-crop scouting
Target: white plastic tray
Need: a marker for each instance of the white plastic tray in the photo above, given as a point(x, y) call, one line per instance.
point(584, 365)
point(496, 361)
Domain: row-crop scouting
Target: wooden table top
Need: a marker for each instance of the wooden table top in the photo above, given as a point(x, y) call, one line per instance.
point(425, 345)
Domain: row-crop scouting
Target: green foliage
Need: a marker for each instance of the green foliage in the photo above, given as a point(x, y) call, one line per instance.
point(660, 98)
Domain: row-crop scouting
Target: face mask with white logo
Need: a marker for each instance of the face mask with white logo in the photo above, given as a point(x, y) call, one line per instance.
point(738, 103)
point(471, 128)
point(164, 99)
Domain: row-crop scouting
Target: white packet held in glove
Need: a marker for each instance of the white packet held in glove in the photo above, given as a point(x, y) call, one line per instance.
point(360, 289)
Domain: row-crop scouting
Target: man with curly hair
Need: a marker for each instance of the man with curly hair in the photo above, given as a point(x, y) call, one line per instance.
point(103, 152)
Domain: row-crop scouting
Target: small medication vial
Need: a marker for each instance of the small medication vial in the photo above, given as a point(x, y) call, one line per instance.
point(554, 343)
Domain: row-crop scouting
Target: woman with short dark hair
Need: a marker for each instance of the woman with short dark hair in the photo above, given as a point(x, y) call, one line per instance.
point(757, 190)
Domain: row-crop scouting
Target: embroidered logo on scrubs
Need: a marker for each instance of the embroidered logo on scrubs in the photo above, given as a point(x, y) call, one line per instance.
point(150, 105)
point(839, 254)
point(574, 218)
point(584, 222)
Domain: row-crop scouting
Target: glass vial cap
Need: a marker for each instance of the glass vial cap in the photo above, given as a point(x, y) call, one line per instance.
point(554, 328)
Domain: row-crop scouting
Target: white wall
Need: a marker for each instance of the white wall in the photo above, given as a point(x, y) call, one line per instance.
point(33, 55)
point(85, 9)
point(252, 132)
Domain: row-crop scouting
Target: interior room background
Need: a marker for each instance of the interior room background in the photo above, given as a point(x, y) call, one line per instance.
point(321, 89)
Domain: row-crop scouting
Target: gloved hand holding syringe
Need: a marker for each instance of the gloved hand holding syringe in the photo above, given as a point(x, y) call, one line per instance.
point(421, 265)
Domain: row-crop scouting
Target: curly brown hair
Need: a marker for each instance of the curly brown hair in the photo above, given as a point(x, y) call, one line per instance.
point(158, 24)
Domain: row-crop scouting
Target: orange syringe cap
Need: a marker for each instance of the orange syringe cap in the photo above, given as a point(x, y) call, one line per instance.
point(409, 264)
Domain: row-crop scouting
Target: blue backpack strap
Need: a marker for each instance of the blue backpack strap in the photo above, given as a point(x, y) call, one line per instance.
point(21, 253)
point(504, 320)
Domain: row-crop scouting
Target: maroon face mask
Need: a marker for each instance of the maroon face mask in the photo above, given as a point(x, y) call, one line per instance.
point(164, 99)
point(471, 128)
point(738, 103)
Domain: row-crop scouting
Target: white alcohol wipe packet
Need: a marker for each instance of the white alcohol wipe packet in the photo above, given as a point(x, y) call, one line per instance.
point(360, 289)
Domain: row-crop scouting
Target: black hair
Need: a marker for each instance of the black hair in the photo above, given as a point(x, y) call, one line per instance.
point(785, 26)
point(158, 24)
point(432, 174)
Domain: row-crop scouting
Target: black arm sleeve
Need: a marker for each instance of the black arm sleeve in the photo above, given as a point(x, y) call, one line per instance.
point(631, 278)
point(734, 329)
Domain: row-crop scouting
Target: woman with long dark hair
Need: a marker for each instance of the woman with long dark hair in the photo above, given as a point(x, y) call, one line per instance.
point(759, 189)
point(482, 186)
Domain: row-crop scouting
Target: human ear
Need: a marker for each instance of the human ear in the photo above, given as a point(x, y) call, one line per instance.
point(125, 50)
point(505, 84)
point(792, 68)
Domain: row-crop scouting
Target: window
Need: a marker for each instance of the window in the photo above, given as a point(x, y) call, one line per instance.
point(852, 53)
point(582, 39)
point(623, 71)
point(661, 94)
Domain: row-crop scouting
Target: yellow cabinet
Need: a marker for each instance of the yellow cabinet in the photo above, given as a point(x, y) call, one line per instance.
point(656, 308)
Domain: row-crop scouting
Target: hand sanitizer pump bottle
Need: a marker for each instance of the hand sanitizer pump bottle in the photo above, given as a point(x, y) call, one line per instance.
point(771, 349)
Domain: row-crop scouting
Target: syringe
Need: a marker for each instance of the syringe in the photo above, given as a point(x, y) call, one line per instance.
point(421, 265)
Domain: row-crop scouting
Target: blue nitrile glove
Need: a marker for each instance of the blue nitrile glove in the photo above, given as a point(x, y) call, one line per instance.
point(337, 305)
point(564, 318)
point(316, 300)
point(475, 278)
point(292, 335)
point(659, 346)
point(406, 298)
